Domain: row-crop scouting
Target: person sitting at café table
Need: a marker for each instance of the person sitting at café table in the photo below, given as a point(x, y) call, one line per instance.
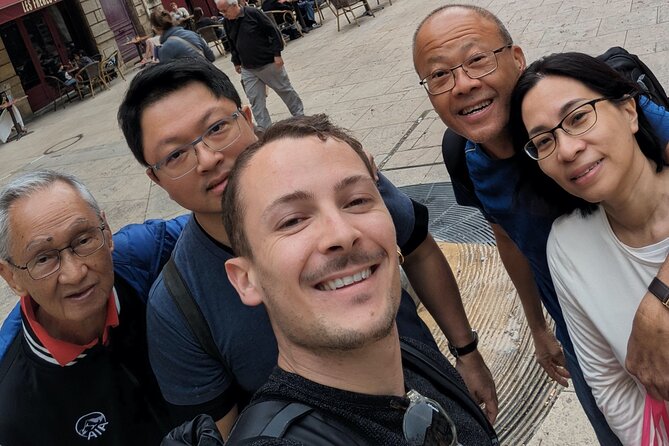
point(78, 373)
point(202, 20)
point(179, 13)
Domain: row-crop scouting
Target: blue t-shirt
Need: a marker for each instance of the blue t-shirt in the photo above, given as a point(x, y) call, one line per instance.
point(194, 382)
point(525, 217)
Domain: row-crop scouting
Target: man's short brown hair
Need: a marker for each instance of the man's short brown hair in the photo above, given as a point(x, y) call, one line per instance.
point(296, 127)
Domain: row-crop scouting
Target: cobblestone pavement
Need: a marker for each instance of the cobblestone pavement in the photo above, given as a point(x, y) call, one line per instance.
point(363, 78)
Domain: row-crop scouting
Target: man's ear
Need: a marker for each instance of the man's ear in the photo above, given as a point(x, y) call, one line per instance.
point(8, 272)
point(248, 114)
point(107, 232)
point(151, 174)
point(241, 275)
point(519, 57)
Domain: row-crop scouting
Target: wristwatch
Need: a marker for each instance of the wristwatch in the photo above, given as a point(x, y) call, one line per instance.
point(660, 290)
point(461, 351)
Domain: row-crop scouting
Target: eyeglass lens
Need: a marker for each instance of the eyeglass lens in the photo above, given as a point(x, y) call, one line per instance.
point(475, 67)
point(83, 245)
point(427, 424)
point(217, 138)
point(577, 122)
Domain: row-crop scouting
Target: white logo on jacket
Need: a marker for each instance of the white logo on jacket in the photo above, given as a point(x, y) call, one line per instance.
point(91, 425)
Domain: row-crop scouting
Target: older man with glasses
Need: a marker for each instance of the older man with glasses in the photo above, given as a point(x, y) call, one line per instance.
point(79, 371)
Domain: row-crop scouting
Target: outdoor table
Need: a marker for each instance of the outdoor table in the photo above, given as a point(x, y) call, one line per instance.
point(137, 41)
point(8, 108)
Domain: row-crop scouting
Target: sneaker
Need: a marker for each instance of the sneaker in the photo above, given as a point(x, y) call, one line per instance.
point(316, 25)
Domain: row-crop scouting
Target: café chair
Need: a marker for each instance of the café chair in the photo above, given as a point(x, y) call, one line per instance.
point(89, 77)
point(285, 20)
point(343, 7)
point(209, 35)
point(60, 89)
point(110, 69)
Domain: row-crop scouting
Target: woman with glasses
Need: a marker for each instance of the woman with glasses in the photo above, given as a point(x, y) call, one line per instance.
point(594, 155)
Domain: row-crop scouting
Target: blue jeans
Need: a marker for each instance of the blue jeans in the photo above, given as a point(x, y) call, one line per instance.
point(605, 435)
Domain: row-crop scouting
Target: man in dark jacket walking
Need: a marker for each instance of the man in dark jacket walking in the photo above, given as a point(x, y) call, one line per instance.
point(256, 46)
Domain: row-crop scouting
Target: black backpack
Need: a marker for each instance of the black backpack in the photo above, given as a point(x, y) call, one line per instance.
point(624, 62)
point(631, 67)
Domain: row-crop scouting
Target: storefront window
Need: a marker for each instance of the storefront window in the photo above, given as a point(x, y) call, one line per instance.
point(18, 53)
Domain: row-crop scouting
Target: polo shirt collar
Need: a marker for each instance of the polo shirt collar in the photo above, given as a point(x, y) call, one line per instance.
point(55, 350)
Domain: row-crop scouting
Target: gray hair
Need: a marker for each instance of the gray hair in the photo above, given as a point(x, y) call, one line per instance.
point(229, 2)
point(29, 183)
point(482, 12)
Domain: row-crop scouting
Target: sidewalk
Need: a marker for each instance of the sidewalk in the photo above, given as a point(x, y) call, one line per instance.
point(363, 78)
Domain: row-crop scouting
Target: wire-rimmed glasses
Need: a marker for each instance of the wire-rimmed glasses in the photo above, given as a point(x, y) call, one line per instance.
point(576, 122)
point(218, 137)
point(48, 262)
point(482, 64)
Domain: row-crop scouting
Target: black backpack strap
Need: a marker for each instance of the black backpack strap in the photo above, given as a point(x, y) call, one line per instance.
point(425, 366)
point(453, 152)
point(294, 421)
point(268, 418)
point(177, 289)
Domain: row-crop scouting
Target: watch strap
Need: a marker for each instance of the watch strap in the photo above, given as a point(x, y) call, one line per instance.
point(660, 290)
point(461, 351)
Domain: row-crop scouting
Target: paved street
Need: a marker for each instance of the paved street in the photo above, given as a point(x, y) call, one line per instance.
point(363, 78)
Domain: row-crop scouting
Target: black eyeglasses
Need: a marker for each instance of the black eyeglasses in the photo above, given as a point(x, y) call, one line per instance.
point(48, 262)
point(576, 122)
point(427, 424)
point(482, 64)
point(221, 135)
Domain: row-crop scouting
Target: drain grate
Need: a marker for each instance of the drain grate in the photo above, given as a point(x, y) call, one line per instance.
point(450, 222)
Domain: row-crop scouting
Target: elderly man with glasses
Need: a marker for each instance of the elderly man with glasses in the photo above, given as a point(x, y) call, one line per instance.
point(316, 246)
point(79, 371)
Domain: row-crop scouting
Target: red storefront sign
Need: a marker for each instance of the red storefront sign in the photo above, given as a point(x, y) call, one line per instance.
point(13, 9)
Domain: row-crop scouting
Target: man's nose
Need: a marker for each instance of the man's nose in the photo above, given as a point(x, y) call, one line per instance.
point(337, 232)
point(463, 83)
point(207, 159)
point(72, 267)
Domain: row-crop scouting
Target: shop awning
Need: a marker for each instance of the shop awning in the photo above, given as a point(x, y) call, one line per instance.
point(13, 9)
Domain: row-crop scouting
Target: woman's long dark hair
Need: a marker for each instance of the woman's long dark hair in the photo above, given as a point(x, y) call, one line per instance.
point(597, 76)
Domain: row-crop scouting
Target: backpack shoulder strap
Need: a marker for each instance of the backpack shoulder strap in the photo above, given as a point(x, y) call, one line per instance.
point(294, 421)
point(268, 419)
point(422, 364)
point(453, 152)
point(178, 290)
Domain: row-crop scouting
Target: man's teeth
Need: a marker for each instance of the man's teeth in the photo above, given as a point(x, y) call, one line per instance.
point(332, 285)
point(475, 108)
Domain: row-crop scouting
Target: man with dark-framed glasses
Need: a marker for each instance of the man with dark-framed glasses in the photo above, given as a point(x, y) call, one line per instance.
point(79, 370)
point(316, 246)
